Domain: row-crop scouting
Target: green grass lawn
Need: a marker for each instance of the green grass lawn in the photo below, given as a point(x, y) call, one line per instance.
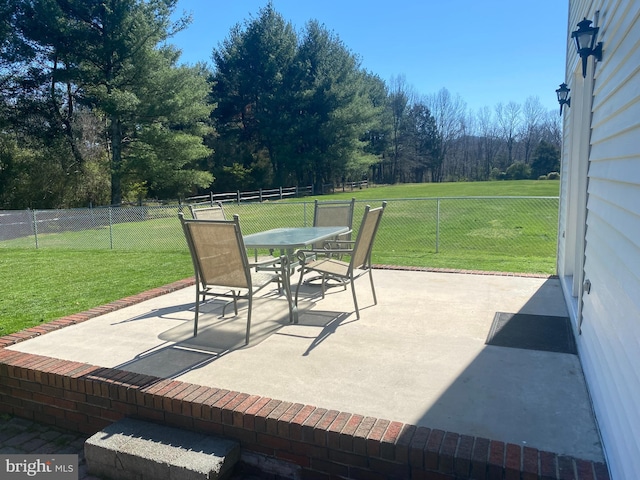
point(45, 284)
point(520, 188)
point(74, 271)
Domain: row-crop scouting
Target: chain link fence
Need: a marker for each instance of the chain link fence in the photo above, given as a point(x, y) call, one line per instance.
point(479, 233)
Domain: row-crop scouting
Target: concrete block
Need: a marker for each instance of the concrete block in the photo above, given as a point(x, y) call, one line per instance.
point(136, 450)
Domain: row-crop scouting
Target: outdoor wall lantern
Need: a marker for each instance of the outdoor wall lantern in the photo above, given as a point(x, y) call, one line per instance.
point(586, 37)
point(563, 96)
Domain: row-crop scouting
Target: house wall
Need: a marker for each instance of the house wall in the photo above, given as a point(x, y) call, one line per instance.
point(607, 316)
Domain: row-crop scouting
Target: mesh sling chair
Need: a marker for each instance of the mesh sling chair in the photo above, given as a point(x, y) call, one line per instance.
point(222, 268)
point(216, 212)
point(213, 212)
point(358, 264)
point(333, 213)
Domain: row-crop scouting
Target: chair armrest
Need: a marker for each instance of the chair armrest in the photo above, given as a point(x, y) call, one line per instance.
point(351, 243)
point(342, 235)
point(337, 251)
point(333, 241)
point(339, 246)
point(266, 262)
point(284, 266)
point(277, 264)
point(304, 255)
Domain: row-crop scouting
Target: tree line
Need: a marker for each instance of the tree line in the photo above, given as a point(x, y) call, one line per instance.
point(96, 108)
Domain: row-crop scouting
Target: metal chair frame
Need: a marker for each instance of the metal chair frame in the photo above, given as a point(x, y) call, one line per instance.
point(222, 268)
point(334, 213)
point(213, 212)
point(360, 258)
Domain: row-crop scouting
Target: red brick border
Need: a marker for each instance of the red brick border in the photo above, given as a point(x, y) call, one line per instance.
point(322, 443)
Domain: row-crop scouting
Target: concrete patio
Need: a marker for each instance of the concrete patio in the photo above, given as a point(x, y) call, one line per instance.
point(418, 357)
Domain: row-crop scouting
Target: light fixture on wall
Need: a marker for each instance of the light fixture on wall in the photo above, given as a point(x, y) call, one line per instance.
point(586, 37)
point(563, 96)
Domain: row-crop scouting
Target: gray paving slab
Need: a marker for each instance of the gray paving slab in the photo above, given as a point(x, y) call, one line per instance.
point(136, 449)
point(418, 357)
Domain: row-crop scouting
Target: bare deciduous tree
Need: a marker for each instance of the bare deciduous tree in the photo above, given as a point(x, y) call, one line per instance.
point(509, 120)
point(449, 113)
point(400, 99)
point(489, 138)
point(530, 133)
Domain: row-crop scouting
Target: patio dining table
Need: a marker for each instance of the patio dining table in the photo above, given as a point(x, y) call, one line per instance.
point(289, 239)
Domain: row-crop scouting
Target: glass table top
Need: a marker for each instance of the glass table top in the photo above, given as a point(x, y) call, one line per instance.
point(294, 237)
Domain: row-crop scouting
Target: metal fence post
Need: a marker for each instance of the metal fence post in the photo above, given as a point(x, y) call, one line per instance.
point(35, 227)
point(437, 225)
point(304, 208)
point(110, 228)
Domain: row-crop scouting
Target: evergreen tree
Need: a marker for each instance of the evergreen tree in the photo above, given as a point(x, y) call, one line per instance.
point(424, 143)
point(107, 58)
point(546, 158)
point(303, 104)
point(336, 109)
point(252, 91)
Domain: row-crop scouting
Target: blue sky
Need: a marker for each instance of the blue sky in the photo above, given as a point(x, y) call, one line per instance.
point(486, 51)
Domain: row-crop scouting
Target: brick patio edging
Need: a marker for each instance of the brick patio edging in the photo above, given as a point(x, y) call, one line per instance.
point(323, 443)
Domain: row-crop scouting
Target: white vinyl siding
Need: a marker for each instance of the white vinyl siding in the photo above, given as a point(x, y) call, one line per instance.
point(609, 343)
point(562, 214)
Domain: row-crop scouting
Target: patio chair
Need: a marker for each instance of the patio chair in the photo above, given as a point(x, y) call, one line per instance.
point(333, 213)
point(213, 212)
point(216, 212)
point(358, 264)
point(330, 213)
point(222, 268)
